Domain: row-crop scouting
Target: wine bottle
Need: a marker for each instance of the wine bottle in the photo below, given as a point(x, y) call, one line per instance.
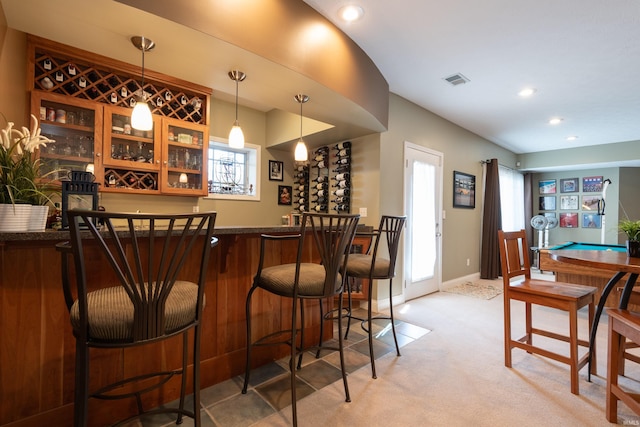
point(341, 184)
point(319, 200)
point(322, 150)
point(339, 200)
point(301, 188)
point(319, 158)
point(320, 208)
point(320, 178)
point(301, 201)
point(322, 164)
point(344, 153)
point(341, 169)
point(344, 161)
point(342, 145)
point(320, 193)
point(341, 208)
point(341, 192)
point(322, 185)
point(302, 194)
point(302, 208)
point(344, 176)
point(300, 169)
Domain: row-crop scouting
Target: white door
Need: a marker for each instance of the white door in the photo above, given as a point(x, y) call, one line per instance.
point(423, 205)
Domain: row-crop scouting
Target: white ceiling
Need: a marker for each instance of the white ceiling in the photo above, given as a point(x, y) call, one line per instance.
point(582, 56)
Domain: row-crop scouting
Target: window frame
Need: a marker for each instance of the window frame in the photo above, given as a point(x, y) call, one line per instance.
point(253, 163)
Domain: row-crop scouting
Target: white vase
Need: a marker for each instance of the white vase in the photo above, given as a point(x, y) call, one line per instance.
point(38, 219)
point(14, 217)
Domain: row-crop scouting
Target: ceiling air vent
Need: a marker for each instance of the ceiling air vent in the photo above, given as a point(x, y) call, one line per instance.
point(457, 79)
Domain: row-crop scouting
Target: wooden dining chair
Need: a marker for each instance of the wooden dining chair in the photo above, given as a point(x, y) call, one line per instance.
point(302, 280)
point(624, 328)
point(514, 255)
point(153, 268)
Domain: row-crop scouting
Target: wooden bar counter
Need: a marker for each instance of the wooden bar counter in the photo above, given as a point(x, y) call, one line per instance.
point(37, 347)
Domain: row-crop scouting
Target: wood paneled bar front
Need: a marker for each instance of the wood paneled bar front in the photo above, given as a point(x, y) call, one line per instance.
point(37, 347)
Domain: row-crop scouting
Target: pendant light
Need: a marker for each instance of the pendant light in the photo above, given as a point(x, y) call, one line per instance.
point(236, 137)
point(301, 154)
point(141, 118)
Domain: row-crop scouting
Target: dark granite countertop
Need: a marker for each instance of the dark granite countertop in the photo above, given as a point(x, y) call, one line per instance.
point(53, 235)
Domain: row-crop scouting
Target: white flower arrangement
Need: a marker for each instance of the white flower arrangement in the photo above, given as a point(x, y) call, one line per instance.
point(20, 180)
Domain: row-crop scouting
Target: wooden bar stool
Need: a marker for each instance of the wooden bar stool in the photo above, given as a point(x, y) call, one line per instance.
point(623, 325)
point(514, 255)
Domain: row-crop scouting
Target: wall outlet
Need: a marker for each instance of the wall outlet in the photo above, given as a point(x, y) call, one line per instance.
point(468, 262)
point(363, 212)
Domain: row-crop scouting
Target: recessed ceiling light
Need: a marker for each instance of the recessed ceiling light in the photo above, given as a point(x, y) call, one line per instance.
point(527, 92)
point(351, 12)
point(555, 121)
point(572, 138)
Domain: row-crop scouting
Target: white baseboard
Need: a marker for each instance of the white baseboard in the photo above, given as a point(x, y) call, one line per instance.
point(460, 280)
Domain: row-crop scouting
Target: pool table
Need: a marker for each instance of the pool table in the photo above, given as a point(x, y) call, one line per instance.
point(581, 275)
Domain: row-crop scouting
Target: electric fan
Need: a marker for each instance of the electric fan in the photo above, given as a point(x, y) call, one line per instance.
point(539, 222)
point(551, 223)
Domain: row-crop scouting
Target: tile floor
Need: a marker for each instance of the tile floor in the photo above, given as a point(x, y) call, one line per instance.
point(223, 405)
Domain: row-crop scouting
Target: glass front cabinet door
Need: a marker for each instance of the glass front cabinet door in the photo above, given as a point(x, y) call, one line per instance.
point(184, 168)
point(75, 126)
point(131, 157)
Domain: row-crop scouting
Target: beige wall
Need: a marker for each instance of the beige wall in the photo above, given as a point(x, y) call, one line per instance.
point(463, 152)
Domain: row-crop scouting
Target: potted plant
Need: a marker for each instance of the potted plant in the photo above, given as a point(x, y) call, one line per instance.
point(21, 185)
point(631, 228)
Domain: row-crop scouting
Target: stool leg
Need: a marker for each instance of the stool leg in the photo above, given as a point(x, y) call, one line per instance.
point(322, 319)
point(573, 342)
point(612, 372)
point(393, 323)
point(370, 334)
point(81, 393)
point(247, 370)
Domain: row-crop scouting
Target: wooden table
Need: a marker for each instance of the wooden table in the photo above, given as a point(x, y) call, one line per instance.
point(618, 263)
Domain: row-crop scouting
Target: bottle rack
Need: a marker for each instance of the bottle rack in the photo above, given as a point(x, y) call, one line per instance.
point(341, 179)
point(319, 182)
point(146, 182)
point(78, 76)
point(301, 188)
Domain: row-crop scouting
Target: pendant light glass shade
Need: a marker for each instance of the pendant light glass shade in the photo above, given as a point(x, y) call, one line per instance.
point(236, 137)
point(141, 118)
point(301, 154)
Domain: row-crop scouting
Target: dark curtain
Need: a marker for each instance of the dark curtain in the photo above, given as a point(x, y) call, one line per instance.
point(528, 206)
point(491, 223)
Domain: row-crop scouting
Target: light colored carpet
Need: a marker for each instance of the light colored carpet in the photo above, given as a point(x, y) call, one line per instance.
point(455, 376)
point(482, 290)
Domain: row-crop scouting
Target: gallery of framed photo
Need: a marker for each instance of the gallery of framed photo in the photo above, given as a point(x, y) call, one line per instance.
point(547, 186)
point(569, 202)
point(569, 185)
point(547, 203)
point(276, 170)
point(284, 194)
point(592, 184)
point(569, 220)
point(464, 190)
point(591, 220)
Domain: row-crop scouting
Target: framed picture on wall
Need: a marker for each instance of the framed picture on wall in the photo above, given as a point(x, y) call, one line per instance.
point(284, 194)
point(569, 202)
point(547, 186)
point(592, 184)
point(591, 220)
point(276, 170)
point(464, 190)
point(569, 220)
point(547, 203)
point(590, 203)
point(569, 185)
